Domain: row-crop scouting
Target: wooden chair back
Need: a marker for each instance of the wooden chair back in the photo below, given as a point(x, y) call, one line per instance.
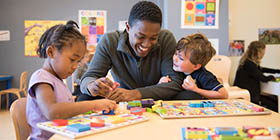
point(18, 114)
point(23, 83)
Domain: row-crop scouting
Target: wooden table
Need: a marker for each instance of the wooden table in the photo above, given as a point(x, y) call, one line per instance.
point(170, 129)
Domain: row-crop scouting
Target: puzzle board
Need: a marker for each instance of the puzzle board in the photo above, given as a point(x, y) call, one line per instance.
point(188, 109)
point(230, 133)
point(126, 119)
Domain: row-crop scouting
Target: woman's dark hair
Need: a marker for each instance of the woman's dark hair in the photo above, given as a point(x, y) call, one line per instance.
point(59, 36)
point(145, 10)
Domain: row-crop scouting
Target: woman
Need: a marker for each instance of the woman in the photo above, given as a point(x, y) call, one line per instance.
point(249, 73)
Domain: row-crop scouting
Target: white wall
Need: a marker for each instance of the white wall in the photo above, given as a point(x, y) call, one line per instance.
point(245, 18)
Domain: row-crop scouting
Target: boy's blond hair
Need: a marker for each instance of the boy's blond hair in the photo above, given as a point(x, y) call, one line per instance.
point(200, 49)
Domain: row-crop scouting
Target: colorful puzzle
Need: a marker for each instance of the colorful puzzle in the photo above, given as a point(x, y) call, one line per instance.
point(231, 133)
point(207, 108)
point(89, 124)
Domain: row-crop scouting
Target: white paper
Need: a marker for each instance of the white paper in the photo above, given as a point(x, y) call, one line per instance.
point(122, 25)
point(4, 35)
point(215, 44)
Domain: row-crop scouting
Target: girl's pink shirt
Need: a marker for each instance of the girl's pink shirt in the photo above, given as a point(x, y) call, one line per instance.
point(33, 112)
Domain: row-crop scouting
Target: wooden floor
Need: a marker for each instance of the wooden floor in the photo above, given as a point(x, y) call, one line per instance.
point(7, 129)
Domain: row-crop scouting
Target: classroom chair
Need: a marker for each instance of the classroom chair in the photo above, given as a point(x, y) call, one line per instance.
point(220, 65)
point(22, 89)
point(17, 112)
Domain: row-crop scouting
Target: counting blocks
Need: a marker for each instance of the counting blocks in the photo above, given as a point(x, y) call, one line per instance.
point(78, 127)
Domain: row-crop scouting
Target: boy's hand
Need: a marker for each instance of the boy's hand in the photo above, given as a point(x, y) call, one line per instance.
point(164, 79)
point(102, 86)
point(189, 84)
point(104, 104)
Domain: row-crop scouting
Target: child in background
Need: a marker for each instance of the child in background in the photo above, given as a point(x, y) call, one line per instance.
point(79, 72)
point(249, 73)
point(193, 52)
point(49, 98)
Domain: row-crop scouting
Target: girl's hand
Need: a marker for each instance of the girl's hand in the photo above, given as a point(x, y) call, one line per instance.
point(164, 79)
point(104, 104)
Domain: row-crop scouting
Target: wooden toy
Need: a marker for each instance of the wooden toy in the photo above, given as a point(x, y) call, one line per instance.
point(78, 127)
point(136, 111)
point(207, 108)
point(147, 103)
point(196, 133)
point(60, 122)
point(95, 122)
point(229, 133)
point(226, 131)
point(132, 104)
point(111, 112)
point(83, 125)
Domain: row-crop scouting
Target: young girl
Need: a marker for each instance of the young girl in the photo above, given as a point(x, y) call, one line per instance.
point(249, 73)
point(49, 98)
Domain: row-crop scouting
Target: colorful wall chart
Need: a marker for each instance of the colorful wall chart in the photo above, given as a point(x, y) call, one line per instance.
point(33, 29)
point(92, 26)
point(202, 14)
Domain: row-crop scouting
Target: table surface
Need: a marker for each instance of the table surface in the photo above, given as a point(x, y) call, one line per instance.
point(170, 129)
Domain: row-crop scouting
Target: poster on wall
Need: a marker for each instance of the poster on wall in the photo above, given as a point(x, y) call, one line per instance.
point(33, 29)
point(236, 47)
point(92, 26)
point(269, 35)
point(199, 14)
